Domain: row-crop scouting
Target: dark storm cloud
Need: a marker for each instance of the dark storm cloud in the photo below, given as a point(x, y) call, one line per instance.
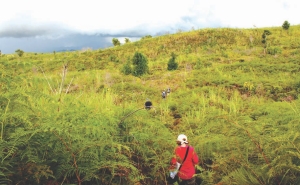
point(22, 31)
point(129, 33)
point(51, 37)
point(69, 42)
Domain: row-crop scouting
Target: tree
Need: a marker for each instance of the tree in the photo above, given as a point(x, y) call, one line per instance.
point(19, 52)
point(127, 40)
point(264, 37)
point(286, 25)
point(116, 42)
point(172, 64)
point(140, 64)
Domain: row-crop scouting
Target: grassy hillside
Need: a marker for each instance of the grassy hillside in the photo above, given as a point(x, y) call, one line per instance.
point(76, 118)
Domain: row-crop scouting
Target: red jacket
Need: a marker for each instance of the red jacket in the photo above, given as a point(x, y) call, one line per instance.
point(187, 169)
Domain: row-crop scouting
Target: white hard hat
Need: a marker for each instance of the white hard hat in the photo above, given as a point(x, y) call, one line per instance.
point(182, 138)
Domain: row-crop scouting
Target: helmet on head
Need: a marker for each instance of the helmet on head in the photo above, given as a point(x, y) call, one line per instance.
point(182, 139)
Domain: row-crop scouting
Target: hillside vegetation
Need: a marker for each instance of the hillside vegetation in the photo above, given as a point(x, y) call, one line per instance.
point(78, 117)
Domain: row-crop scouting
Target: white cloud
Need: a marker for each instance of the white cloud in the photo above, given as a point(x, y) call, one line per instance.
point(115, 16)
point(53, 19)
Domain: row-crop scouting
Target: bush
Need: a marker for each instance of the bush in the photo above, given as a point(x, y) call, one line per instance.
point(127, 68)
point(172, 64)
point(274, 50)
point(113, 58)
point(140, 64)
point(19, 52)
point(116, 42)
point(146, 37)
point(286, 25)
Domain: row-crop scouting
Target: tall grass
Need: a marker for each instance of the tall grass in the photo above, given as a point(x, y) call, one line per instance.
point(87, 124)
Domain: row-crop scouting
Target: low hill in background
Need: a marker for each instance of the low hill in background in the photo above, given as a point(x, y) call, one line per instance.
point(77, 117)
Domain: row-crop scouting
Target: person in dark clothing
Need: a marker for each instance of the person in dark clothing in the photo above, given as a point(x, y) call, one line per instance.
point(163, 94)
point(168, 90)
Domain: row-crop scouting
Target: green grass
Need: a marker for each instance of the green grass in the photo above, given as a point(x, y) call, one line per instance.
point(238, 105)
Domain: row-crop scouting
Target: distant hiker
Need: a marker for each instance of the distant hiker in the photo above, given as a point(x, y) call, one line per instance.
point(168, 90)
point(148, 104)
point(185, 159)
point(163, 94)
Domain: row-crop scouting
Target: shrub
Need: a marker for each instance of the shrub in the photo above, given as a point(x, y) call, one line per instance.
point(127, 68)
point(146, 37)
point(172, 64)
point(274, 50)
point(113, 58)
point(286, 25)
point(127, 40)
point(264, 37)
point(19, 52)
point(140, 64)
point(116, 42)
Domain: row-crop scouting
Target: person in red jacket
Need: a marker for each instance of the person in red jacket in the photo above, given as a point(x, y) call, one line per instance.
point(187, 169)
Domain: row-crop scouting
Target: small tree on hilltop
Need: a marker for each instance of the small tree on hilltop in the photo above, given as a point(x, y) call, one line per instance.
point(140, 64)
point(286, 25)
point(172, 64)
point(19, 52)
point(127, 40)
point(116, 42)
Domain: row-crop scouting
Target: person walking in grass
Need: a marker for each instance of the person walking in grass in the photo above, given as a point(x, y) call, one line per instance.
point(163, 94)
point(185, 159)
point(168, 91)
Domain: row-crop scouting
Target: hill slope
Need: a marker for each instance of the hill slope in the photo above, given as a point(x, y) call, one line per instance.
point(75, 117)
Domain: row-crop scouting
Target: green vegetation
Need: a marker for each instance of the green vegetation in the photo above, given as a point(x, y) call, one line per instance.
point(127, 40)
point(62, 115)
point(116, 42)
point(264, 39)
point(140, 64)
point(286, 25)
point(19, 52)
point(127, 68)
point(172, 64)
point(146, 37)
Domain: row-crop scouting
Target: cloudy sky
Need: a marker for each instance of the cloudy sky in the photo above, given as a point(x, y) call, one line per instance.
point(54, 25)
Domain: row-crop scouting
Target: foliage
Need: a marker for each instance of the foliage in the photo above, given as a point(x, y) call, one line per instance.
point(264, 37)
point(146, 37)
point(172, 64)
point(116, 42)
point(85, 122)
point(113, 58)
point(274, 50)
point(140, 63)
point(19, 52)
point(127, 40)
point(286, 25)
point(127, 68)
